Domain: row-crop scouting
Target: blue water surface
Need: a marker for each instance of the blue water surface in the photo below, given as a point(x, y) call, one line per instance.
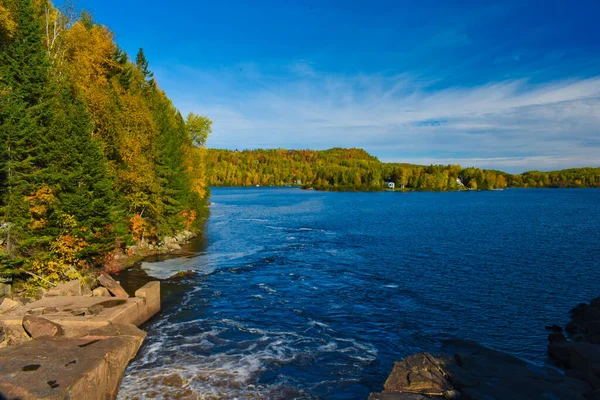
point(306, 294)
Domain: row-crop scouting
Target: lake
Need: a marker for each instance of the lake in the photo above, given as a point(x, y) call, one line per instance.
point(306, 294)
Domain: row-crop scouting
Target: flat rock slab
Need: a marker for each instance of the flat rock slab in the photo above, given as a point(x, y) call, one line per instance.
point(78, 315)
point(90, 367)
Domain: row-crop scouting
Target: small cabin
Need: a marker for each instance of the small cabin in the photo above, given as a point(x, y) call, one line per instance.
point(390, 185)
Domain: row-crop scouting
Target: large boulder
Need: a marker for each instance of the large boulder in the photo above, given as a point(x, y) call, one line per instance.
point(419, 373)
point(580, 356)
point(478, 372)
point(471, 371)
point(585, 322)
point(580, 359)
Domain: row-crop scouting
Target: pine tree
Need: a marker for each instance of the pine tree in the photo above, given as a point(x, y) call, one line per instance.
point(77, 171)
point(170, 164)
point(142, 64)
point(24, 114)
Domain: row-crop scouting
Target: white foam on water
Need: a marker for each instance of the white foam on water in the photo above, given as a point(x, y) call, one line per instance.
point(331, 346)
point(253, 219)
point(317, 323)
point(178, 366)
point(316, 230)
point(391, 286)
point(180, 372)
point(277, 228)
point(168, 268)
point(267, 288)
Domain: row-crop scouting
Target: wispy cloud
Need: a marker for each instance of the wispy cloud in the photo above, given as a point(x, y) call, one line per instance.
point(513, 124)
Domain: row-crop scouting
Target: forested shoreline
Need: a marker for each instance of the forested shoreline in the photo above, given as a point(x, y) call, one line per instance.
point(94, 157)
point(355, 169)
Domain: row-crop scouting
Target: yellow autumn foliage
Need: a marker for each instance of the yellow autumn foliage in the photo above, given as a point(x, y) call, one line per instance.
point(63, 263)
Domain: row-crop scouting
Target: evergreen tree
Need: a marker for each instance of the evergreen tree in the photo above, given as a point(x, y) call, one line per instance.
point(24, 115)
point(170, 164)
point(142, 64)
point(77, 171)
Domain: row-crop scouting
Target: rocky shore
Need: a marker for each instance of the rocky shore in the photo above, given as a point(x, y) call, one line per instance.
point(470, 371)
point(124, 258)
point(75, 342)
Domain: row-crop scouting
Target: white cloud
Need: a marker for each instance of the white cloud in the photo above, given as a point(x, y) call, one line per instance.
point(513, 125)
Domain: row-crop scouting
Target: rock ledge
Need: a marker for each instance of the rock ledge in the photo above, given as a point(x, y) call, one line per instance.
point(72, 346)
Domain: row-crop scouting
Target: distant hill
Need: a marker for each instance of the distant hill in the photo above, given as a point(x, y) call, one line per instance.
point(355, 169)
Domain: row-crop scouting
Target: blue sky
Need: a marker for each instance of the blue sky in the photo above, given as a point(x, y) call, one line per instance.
point(511, 85)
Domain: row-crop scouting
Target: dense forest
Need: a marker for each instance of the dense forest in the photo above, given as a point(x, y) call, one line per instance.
point(355, 169)
point(95, 158)
point(93, 154)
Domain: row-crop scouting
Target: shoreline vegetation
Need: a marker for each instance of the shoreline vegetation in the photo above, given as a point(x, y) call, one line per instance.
point(354, 169)
point(97, 167)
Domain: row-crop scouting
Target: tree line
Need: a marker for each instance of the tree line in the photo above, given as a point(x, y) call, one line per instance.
point(355, 169)
point(93, 154)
